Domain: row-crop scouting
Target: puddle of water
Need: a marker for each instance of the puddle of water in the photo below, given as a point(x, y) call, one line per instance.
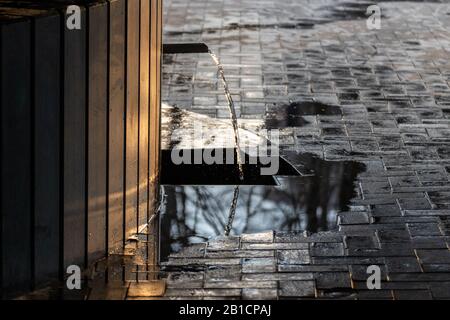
point(346, 10)
point(232, 113)
point(197, 213)
point(291, 115)
point(412, 43)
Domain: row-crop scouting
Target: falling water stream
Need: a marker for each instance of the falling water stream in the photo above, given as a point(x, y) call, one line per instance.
point(232, 113)
point(234, 123)
point(232, 211)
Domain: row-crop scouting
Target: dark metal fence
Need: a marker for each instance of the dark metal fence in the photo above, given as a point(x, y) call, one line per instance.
point(80, 125)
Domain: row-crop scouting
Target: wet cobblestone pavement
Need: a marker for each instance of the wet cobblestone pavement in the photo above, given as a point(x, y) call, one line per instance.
point(392, 87)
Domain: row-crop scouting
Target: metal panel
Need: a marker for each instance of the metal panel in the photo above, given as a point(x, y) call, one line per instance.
point(132, 116)
point(155, 42)
point(153, 90)
point(157, 130)
point(144, 111)
point(108, 120)
point(116, 122)
point(75, 144)
point(97, 136)
point(15, 74)
point(47, 103)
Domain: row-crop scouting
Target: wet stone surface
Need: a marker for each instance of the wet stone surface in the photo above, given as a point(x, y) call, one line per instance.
point(391, 90)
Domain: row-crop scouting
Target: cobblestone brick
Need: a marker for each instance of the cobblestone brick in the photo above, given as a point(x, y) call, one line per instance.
point(297, 289)
point(331, 280)
point(264, 237)
point(241, 284)
point(221, 273)
point(353, 218)
point(434, 256)
point(274, 246)
point(259, 294)
point(185, 280)
point(402, 264)
point(364, 242)
point(258, 265)
point(327, 249)
point(293, 257)
point(391, 87)
point(225, 243)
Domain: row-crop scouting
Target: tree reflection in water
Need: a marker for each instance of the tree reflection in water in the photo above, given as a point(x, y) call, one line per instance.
point(196, 213)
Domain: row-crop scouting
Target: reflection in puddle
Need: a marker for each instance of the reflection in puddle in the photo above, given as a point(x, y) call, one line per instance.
point(197, 213)
point(232, 214)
